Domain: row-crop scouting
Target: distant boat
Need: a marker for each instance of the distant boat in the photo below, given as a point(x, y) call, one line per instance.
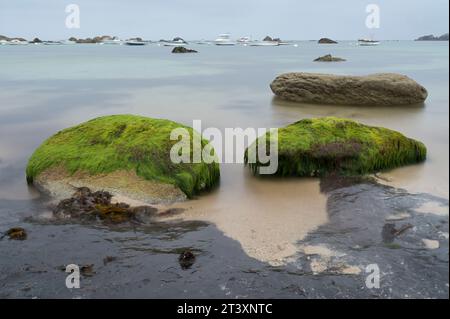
point(265, 44)
point(174, 43)
point(244, 40)
point(135, 43)
point(112, 41)
point(225, 40)
point(367, 42)
point(17, 42)
point(203, 42)
point(52, 43)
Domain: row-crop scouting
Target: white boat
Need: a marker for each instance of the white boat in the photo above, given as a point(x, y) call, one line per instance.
point(244, 40)
point(225, 40)
point(203, 42)
point(174, 43)
point(3, 42)
point(51, 43)
point(265, 44)
point(112, 41)
point(17, 42)
point(135, 43)
point(367, 42)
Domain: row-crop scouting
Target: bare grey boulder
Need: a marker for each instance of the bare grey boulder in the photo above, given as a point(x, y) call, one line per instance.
point(377, 89)
point(329, 58)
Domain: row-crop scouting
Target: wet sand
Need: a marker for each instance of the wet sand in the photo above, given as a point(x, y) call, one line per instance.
point(265, 215)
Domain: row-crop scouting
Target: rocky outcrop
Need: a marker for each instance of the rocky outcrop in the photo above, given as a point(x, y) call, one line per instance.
point(329, 58)
point(97, 39)
point(377, 89)
point(431, 37)
point(321, 146)
point(178, 39)
point(125, 155)
point(326, 41)
point(5, 38)
point(270, 39)
point(183, 50)
point(36, 40)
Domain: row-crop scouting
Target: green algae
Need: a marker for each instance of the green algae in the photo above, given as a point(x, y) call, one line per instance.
point(123, 142)
point(320, 146)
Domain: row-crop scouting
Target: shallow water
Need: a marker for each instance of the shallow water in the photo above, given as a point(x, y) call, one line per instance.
point(47, 88)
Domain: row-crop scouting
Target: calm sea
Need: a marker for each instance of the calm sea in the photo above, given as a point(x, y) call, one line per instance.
point(48, 88)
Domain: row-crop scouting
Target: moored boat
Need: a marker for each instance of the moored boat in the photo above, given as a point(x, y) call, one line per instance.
point(367, 42)
point(135, 43)
point(224, 40)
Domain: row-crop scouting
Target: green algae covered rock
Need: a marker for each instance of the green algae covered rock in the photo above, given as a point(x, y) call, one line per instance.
point(315, 147)
point(126, 155)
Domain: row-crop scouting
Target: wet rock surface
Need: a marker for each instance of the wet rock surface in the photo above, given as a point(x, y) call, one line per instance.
point(88, 205)
point(383, 89)
point(329, 58)
point(186, 259)
point(16, 233)
point(131, 260)
point(327, 41)
point(183, 50)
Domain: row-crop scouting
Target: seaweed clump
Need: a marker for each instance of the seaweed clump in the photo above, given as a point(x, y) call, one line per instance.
point(186, 259)
point(88, 205)
point(324, 146)
point(17, 233)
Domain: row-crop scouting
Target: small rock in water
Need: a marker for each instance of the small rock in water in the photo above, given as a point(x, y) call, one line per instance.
point(186, 259)
point(329, 58)
point(326, 41)
point(431, 244)
point(17, 233)
point(183, 50)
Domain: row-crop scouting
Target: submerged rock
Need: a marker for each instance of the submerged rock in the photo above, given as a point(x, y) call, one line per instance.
point(183, 50)
point(323, 146)
point(329, 58)
point(125, 155)
point(377, 89)
point(17, 233)
point(326, 41)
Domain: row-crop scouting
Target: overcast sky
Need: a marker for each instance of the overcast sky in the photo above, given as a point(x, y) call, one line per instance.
point(205, 19)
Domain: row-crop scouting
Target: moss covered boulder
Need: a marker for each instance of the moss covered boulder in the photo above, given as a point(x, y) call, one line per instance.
point(316, 147)
point(126, 155)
